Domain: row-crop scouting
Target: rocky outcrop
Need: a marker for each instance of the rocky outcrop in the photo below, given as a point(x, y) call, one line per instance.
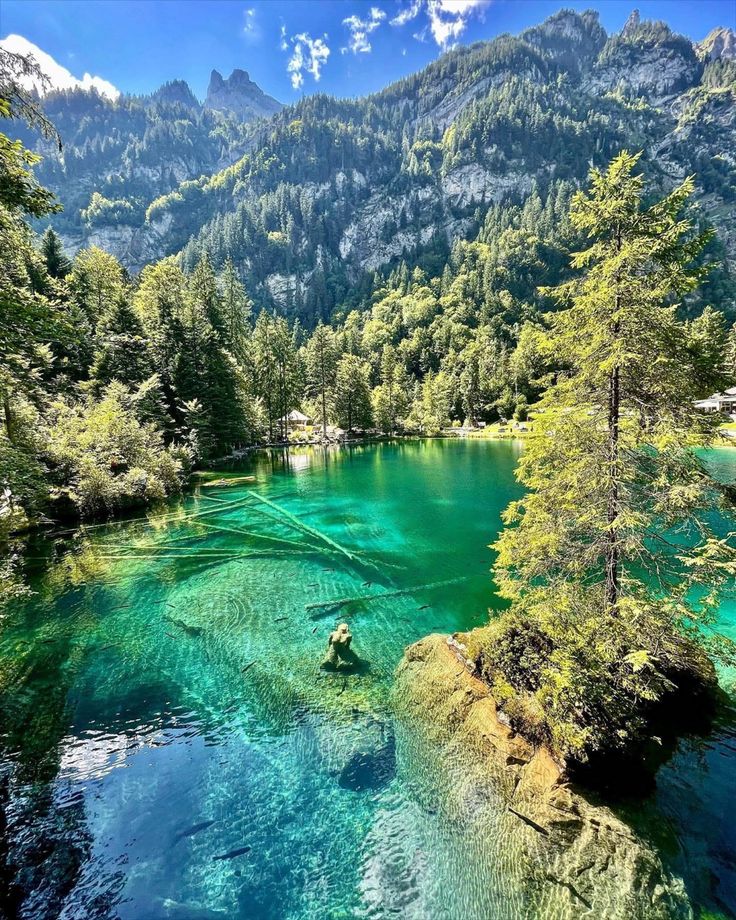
point(339, 654)
point(655, 71)
point(720, 44)
point(240, 96)
point(572, 39)
point(569, 857)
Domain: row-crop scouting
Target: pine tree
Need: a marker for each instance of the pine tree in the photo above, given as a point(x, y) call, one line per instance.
point(264, 370)
point(613, 536)
point(122, 353)
point(236, 310)
point(321, 366)
point(203, 290)
point(57, 264)
point(352, 401)
point(97, 281)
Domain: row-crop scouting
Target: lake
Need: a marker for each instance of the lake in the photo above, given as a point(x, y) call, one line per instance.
point(172, 749)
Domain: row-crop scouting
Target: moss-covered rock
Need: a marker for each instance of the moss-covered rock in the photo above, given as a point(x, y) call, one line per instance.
point(570, 857)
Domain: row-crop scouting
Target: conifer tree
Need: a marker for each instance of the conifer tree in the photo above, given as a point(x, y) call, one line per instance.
point(122, 353)
point(352, 393)
point(613, 535)
point(321, 366)
point(236, 310)
point(57, 263)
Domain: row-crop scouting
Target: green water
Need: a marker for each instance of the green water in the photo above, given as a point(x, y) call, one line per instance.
point(162, 704)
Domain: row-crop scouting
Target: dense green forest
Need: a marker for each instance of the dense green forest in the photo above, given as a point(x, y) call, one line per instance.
point(115, 384)
point(318, 204)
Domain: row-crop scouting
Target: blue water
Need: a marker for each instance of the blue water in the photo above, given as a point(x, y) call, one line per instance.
point(172, 749)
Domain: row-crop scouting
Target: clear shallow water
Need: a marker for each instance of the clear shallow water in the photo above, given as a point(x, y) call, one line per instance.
point(162, 704)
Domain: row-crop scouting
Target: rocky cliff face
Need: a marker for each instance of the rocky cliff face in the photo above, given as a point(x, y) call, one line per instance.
point(567, 856)
point(240, 96)
point(719, 45)
point(364, 183)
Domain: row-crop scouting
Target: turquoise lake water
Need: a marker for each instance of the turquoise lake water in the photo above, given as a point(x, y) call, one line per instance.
point(172, 750)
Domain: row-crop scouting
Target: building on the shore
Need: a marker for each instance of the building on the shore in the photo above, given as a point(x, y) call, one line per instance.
point(725, 403)
point(295, 421)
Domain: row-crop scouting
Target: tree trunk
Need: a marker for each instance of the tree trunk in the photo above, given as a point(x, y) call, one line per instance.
point(612, 554)
point(8, 417)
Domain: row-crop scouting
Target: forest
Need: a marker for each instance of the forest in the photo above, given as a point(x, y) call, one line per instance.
point(116, 386)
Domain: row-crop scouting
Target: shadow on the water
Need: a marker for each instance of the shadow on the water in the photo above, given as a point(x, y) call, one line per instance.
point(642, 793)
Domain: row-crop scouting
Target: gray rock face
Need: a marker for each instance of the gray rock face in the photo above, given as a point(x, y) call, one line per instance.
point(240, 96)
point(570, 38)
point(631, 24)
point(656, 71)
point(720, 44)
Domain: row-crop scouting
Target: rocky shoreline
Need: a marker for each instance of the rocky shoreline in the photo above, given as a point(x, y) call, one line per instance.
point(571, 857)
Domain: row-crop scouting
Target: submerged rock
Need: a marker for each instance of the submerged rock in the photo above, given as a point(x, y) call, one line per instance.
point(570, 857)
point(339, 655)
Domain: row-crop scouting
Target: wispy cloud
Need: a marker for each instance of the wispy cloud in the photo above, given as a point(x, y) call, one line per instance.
point(251, 27)
point(58, 76)
point(407, 13)
point(446, 19)
point(309, 55)
point(360, 29)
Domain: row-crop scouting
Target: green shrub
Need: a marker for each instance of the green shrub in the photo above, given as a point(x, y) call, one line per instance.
point(103, 459)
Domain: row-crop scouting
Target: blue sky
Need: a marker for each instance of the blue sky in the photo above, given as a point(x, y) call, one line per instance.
point(290, 47)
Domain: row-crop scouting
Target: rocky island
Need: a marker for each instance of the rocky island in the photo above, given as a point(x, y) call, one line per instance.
point(571, 855)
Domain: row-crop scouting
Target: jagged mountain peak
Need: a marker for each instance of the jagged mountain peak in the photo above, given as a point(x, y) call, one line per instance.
point(239, 95)
point(720, 44)
point(573, 39)
point(631, 24)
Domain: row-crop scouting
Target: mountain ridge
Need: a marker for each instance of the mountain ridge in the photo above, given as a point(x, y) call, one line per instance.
point(333, 189)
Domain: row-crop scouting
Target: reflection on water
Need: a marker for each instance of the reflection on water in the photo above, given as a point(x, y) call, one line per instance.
point(173, 750)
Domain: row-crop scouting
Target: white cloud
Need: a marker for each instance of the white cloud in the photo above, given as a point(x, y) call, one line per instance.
point(360, 29)
point(407, 13)
point(251, 29)
point(58, 76)
point(309, 55)
point(447, 19)
point(283, 43)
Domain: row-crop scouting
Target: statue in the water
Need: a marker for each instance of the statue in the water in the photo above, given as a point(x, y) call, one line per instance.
point(339, 654)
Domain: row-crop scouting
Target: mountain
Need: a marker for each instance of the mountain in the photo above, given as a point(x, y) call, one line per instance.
point(175, 92)
point(719, 44)
point(239, 95)
point(313, 200)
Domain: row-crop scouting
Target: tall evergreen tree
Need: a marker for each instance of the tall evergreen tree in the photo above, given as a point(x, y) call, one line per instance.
point(236, 310)
point(321, 366)
point(57, 263)
point(614, 534)
point(352, 400)
point(122, 353)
